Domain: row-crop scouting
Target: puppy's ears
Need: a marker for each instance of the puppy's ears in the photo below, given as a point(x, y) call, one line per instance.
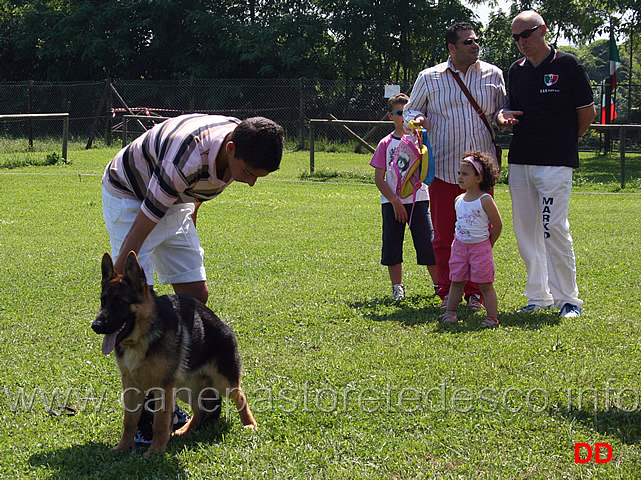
point(134, 274)
point(108, 270)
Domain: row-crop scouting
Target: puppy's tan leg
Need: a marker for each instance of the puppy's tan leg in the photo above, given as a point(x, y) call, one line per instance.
point(162, 422)
point(205, 402)
point(240, 400)
point(133, 402)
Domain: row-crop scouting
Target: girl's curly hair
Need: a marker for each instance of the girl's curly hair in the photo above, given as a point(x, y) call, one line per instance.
point(490, 172)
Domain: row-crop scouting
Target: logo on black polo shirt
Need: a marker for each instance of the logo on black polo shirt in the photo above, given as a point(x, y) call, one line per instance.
point(550, 79)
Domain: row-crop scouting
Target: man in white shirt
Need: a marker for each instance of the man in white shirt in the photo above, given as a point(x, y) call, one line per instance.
point(439, 105)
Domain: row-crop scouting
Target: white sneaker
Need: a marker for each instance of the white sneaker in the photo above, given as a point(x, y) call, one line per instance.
point(534, 308)
point(398, 292)
point(569, 311)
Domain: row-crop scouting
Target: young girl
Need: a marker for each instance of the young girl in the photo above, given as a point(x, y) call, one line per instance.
point(478, 225)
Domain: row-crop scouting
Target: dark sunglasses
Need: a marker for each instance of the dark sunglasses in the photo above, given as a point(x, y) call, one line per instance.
point(469, 41)
point(524, 34)
point(398, 112)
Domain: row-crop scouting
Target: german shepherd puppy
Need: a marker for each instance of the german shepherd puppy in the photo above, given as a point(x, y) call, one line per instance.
point(172, 346)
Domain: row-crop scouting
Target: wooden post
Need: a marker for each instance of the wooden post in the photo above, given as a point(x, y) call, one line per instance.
point(311, 148)
point(30, 111)
point(110, 104)
point(607, 84)
point(622, 134)
point(96, 116)
point(65, 136)
point(301, 113)
point(124, 130)
point(352, 134)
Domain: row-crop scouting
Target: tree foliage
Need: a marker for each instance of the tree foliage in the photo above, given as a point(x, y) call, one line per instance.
point(162, 39)
point(386, 40)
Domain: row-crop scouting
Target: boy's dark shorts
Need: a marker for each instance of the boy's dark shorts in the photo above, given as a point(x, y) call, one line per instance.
point(394, 232)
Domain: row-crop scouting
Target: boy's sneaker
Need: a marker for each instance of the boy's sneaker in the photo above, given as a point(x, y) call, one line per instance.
point(180, 419)
point(145, 434)
point(534, 308)
point(398, 292)
point(474, 301)
point(569, 311)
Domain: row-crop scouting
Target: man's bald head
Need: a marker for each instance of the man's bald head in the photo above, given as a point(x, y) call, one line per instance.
point(529, 16)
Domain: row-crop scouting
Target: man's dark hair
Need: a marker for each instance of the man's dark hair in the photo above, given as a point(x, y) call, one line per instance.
point(451, 35)
point(259, 143)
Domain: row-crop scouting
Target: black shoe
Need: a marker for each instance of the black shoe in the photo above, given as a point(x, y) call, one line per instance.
point(145, 433)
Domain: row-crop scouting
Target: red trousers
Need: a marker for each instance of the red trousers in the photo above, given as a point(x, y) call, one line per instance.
point(442, 196)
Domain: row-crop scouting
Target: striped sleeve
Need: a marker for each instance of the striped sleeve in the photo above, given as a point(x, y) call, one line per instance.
point(186, 150)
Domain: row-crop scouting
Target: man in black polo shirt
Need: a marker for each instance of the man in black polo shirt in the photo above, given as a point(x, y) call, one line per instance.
point(551, 109)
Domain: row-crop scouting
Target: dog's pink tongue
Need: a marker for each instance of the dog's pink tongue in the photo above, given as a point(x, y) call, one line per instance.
point(108, 343)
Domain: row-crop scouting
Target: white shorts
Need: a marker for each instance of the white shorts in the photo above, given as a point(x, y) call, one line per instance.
point(172, 248)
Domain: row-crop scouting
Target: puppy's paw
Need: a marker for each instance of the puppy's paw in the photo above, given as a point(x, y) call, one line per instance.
point(181, 431)
point(122, 447)
point(154, 451)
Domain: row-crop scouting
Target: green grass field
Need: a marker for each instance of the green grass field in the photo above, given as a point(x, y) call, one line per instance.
point(343, 382)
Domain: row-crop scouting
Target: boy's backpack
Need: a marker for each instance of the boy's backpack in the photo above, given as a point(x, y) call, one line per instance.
point(413, 163)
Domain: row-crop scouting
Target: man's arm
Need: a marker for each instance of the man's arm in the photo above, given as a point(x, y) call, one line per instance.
point(586, 115)
point(195, 214)
point(140, 230)
point(416, 107)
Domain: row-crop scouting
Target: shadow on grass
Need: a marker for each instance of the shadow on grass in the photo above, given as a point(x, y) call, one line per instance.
point(470, 320)
point(624, 425)
point(98, 460)
point(418, 310)
point(414, 310)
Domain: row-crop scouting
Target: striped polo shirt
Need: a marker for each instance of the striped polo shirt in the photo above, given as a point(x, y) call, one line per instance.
point(174, 162)
point(455, 127)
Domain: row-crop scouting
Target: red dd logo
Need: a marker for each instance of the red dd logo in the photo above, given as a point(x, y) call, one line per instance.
point(578, 447)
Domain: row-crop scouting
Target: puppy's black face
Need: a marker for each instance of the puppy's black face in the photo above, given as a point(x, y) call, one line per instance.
point(122, 295)
point(116, 318)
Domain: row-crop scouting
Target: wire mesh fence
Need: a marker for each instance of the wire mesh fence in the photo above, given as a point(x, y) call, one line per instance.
point(96, 108)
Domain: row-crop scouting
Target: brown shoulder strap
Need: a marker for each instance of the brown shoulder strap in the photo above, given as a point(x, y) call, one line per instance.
point(469, 96)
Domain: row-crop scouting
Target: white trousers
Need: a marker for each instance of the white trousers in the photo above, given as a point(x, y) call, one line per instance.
point(540, 204)
point(172, 248)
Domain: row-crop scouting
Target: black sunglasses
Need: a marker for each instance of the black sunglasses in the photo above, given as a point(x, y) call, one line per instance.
point(524, 34)
point(469, 41)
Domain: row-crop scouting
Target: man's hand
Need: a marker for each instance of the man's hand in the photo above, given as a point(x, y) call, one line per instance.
point(507, 118)
point(423, 122)
point(139, 231)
